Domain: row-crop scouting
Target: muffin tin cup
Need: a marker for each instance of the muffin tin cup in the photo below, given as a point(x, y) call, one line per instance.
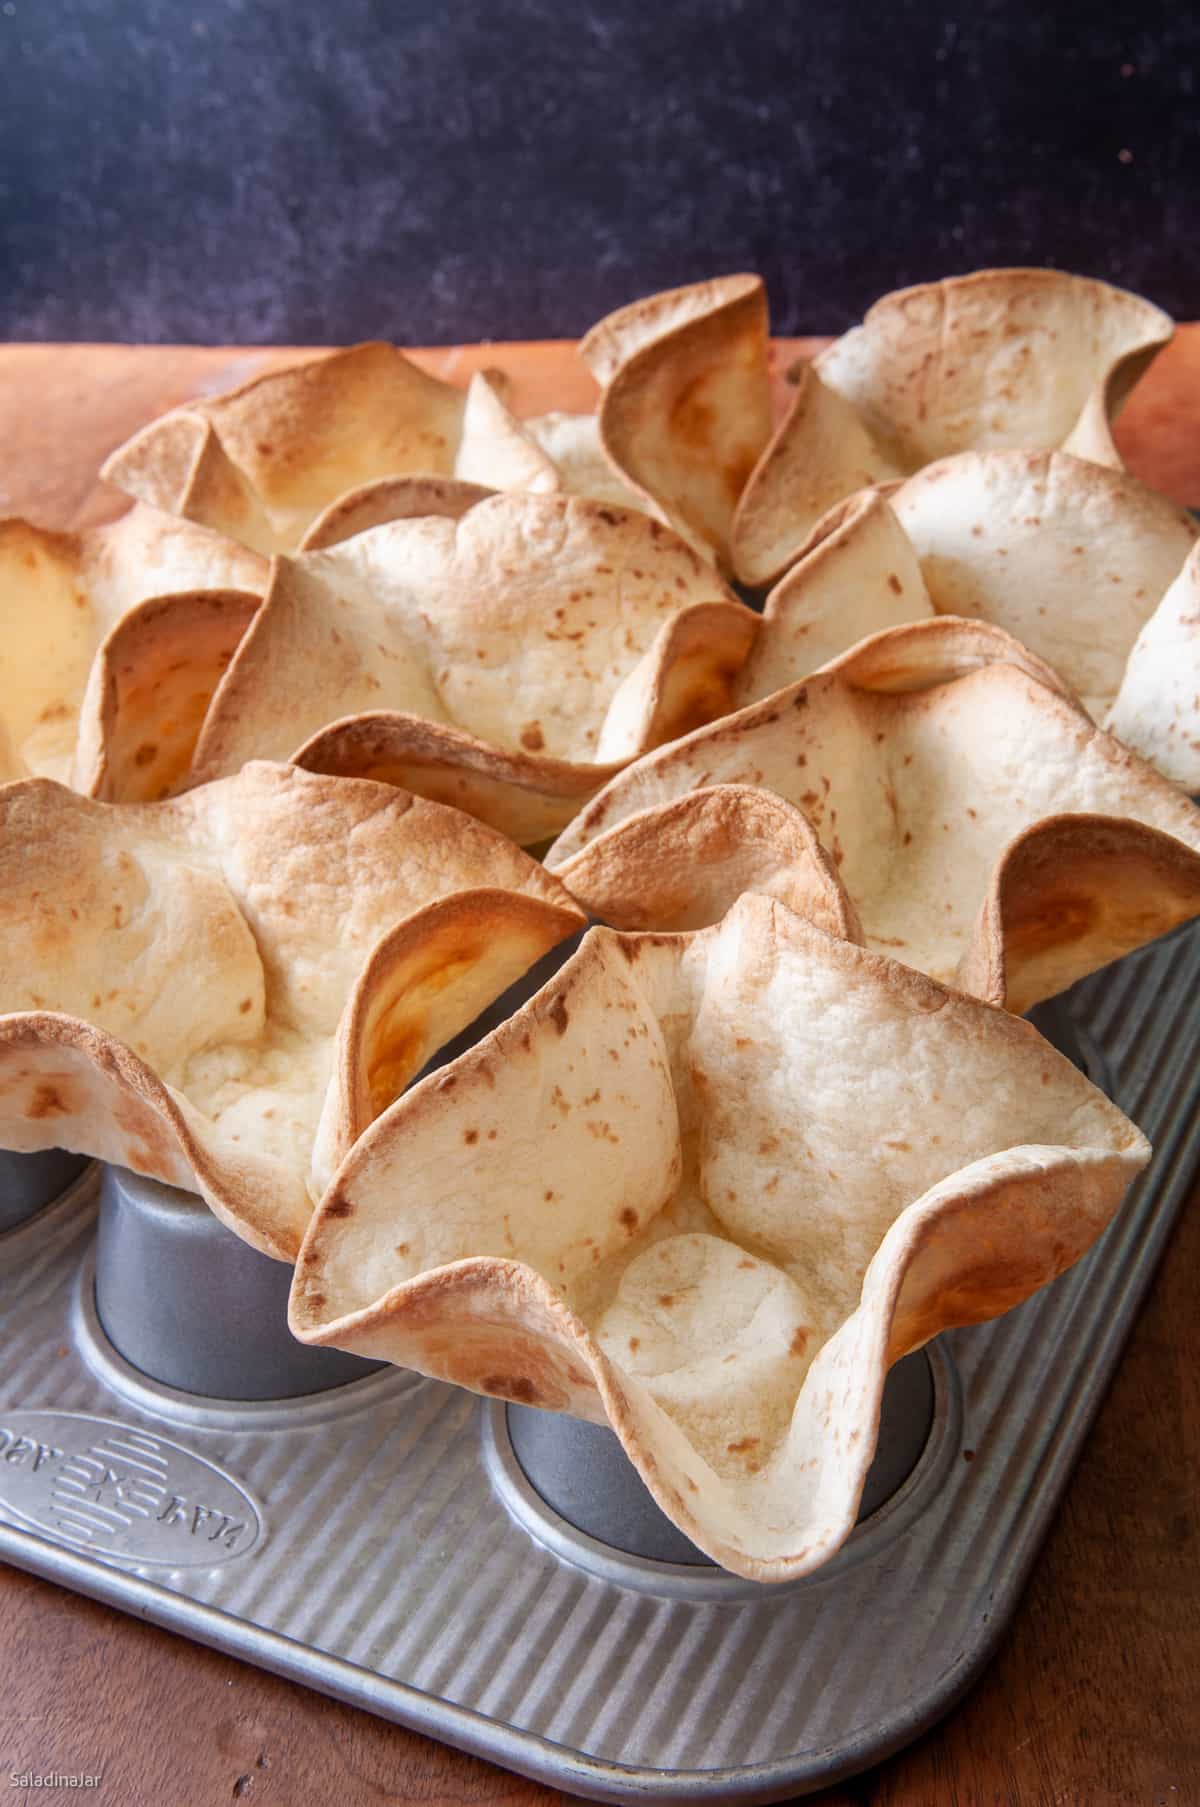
point(191, 1305)
point(581, 1472)
point(31, 1182)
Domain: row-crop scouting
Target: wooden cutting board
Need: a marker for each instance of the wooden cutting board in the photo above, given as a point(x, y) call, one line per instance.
point(1094, 1697)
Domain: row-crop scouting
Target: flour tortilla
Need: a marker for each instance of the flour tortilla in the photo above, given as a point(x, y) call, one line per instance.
point(1071, 558)
point(261, 462)
point(149, 689)
point(686, 410)
point(177, 977)
point(62, 594)
point(1157, 709)
point(509, 661)
point(920, 758)
point(756, 1186)
point(1029, 359)
point(1022, 358)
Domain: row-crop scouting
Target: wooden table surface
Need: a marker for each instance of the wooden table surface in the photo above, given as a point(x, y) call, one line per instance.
point(1094, 1697)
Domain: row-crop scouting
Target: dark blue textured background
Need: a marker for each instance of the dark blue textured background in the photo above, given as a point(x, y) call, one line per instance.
point(257, 170)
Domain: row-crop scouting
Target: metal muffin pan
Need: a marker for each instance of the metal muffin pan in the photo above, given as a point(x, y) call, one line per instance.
point(190, 1304)
point(381, 1541)
point(561, 1475)
point(30, 1182)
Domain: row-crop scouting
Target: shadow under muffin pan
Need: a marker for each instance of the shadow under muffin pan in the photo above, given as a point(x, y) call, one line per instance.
point(498, 1577)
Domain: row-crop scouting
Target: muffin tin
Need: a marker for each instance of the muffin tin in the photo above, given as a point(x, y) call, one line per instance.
point(30, 1182)
point(190, 1304)
point(498, 1578)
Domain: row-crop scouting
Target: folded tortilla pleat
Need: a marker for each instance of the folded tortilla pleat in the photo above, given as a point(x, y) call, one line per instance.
point(63, 593)
point(685, 864)
point(391, 499)
point(148, 692)
point(1157, 709)
point(686, 410)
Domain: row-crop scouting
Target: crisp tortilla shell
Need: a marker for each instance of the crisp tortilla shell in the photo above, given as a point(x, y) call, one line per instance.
point(261, 462)
point(1157, 709)
point(191, 987)
point(1029, 359)
point(686, 410)
point(756, 1186)
point(1078, 562)
point(920, 757)
point(62, 594)
point(509, 660)
point(276, 462)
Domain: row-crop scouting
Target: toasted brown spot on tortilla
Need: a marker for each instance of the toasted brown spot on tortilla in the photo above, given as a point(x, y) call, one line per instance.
point(340, 1206)
point(389, 1071)
point(558, 1015)
point(510, 1386)
point(47, 1101)
point(1064, 919)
